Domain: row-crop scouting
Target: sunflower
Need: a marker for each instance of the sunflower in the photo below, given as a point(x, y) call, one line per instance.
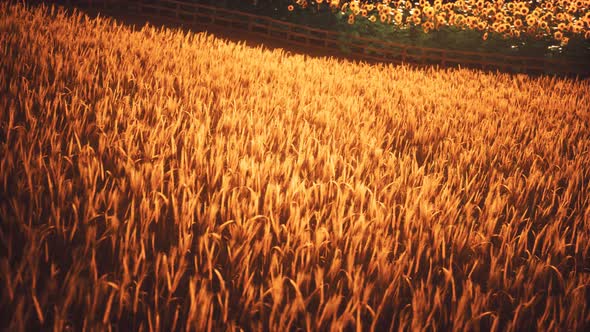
point(564, 41)
point(428, 11)
point(572, 9)
point(472, 22)
point(516, 33)
point(290, 8)
point(461, 4)
point(518, 23)
point(587, 35)
point(334, 3)
point(544, 25)
point(383, 17)
point(577, 27)
point(372, 18)
point(547, 17)
point(438, 4)
point(558, 35)
point(501, 28)
point(350, 19)
point(548, 5)
point(485, 36)
point(531, 20)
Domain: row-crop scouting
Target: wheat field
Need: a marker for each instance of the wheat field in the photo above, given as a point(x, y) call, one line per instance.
point(158, 179)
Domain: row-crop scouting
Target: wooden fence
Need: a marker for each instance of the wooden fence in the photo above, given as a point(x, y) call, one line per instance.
point(356, 47)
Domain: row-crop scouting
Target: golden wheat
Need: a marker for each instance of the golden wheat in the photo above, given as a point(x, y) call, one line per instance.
point(157, 179)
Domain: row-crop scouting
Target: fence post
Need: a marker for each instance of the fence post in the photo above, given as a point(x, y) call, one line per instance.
point(423, 56)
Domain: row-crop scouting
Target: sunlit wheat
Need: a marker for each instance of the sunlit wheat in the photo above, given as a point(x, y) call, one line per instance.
point(158, 179)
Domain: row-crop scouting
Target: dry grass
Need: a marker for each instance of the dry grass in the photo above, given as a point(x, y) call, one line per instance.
point(158, 179)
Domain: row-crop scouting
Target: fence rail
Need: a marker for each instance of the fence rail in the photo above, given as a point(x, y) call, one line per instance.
point(358, 47)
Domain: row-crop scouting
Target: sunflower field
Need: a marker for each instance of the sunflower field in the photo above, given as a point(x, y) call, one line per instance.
point(547, 26)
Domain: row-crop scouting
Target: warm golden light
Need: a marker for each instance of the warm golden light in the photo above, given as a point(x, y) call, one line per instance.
point(159, 179)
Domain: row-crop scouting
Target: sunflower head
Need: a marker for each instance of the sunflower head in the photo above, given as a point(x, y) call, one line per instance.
point(558, 35)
